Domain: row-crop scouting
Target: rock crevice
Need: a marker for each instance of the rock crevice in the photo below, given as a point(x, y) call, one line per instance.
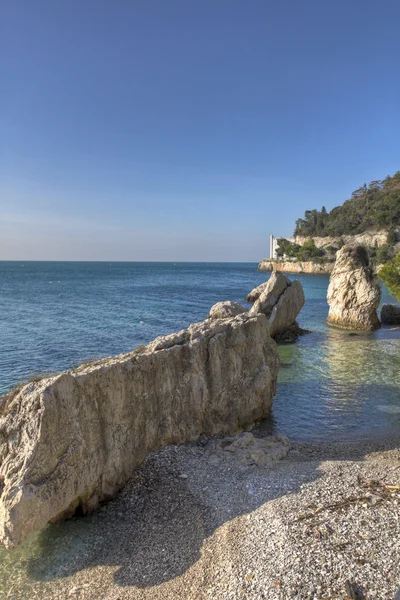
point(280, 300)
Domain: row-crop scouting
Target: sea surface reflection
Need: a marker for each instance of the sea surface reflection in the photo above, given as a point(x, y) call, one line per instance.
point(338, 384)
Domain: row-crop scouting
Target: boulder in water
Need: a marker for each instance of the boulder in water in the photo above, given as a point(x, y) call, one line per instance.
point(281, 301)
point(353, 294)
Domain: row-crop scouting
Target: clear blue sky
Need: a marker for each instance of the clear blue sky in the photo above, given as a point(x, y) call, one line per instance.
point(188, 129)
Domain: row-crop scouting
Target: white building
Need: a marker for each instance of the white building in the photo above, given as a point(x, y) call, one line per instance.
point(273, 244)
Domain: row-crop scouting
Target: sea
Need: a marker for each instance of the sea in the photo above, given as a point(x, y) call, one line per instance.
point(57, 315)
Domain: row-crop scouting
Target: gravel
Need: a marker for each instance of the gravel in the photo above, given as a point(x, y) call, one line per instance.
point(197, 523)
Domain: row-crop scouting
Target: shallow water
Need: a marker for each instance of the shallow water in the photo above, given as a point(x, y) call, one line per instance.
point(332, 385)
point(55, 315)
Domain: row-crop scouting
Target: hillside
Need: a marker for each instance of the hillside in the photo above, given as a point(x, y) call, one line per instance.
point(376, 205)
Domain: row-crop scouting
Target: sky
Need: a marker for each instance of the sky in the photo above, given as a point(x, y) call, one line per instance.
point(188, 129)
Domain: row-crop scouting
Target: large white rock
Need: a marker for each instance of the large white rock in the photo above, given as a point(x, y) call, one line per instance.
point(353, 294)
point(73, 439)
point(281, 301)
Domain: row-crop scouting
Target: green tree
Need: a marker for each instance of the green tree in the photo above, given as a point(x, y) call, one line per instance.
point(390, 275)
point(375, 205)
point(391, 238)
point(383, 254)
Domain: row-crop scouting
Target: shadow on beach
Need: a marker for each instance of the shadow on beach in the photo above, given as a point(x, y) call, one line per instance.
point(160, 524)
point(155, 529)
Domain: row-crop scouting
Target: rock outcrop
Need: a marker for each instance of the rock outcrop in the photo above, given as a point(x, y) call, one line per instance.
point(353, 295)
point(72, 440)
point(226, 309)
point(390, 314)
point(256, 292)
point(371, 238)
point(295, 266)
point(280, 301)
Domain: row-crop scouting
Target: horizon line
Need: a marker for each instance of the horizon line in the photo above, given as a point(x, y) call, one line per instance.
point(242, 262)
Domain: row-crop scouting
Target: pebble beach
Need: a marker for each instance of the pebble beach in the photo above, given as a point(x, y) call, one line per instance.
point(201, 524)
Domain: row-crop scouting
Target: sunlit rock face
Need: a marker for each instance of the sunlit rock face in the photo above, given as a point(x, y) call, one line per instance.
point(226, 309)
point(72, 440)
point(295, 266)
point(353, 294)
point(280, 301)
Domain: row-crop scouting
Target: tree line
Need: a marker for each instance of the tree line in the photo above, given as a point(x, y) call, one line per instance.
point(376, 205)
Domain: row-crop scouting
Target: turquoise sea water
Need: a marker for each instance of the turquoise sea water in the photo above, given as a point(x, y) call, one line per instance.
point(56, 315)
point(53, 315)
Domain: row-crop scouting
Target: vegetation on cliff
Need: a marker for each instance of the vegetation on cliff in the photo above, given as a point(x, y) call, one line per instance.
point(390, 275)
point(376, 205)
point(307, 252)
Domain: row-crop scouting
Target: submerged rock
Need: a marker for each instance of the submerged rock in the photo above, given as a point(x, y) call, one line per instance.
point(390, 314)
point(259, 451)
point(281, 301)
point(353, 294)
point(290, 335)
point(73, 440)
point(226, 310)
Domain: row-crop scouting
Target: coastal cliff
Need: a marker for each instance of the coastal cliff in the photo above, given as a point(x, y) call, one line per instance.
point(72, 440)
point(369, 238)
point(294, 266)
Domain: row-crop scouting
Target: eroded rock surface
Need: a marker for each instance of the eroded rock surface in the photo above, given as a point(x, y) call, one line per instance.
point(73, 439)
point(353, 294)
point(256, 292)
point(226, 309)
point(390, 314)
point(249, 450)
point(280, 301)
point(295, 266)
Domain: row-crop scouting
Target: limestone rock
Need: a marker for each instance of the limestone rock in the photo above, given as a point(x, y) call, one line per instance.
point(353, 295)
point(281, 302)
point(72, 440)
point(226, 310)
point(276, 285)
point(295, 266)
point(390, 314)
point(368, 238)
point(291, 334)
point(256, 292)
point(259, 451)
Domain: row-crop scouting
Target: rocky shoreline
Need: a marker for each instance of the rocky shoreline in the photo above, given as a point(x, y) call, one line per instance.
point(196, 525)
point(294, 266)
point(246, 517)
point(71, 441)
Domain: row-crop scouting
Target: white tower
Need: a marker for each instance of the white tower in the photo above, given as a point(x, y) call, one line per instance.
point(272, 245)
